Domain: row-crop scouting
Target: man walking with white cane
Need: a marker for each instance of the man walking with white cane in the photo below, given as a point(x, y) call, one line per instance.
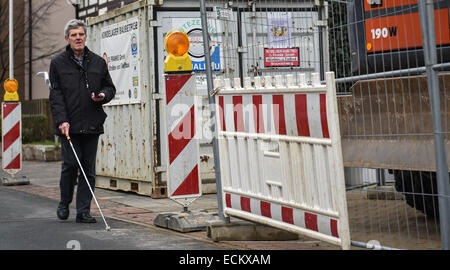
point(80, 84)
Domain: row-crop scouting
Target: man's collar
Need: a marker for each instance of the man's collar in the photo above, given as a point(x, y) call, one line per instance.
point(71, 53)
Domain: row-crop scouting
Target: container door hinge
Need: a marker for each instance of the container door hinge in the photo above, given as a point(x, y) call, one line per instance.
point(318, 3)
point(322, 23)
point(160, 169)
point(157, 96)
point(242, 50)
point(154, 23)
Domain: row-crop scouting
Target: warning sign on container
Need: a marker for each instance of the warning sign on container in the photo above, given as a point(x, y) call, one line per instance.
point(281, 57)
point(119, 46)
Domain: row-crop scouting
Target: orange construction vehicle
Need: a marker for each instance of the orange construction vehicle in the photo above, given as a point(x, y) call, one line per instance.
point(386, 122)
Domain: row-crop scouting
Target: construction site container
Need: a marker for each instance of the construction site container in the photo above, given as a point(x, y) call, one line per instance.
point(132, 153)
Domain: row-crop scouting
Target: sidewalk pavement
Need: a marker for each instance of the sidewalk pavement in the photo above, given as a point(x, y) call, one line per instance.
point(139, 209)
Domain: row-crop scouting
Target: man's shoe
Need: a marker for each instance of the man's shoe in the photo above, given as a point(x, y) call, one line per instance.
point(85, 218)
point(63, 211)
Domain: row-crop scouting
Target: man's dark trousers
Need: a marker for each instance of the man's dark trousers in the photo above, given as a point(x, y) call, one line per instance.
point(86, 148)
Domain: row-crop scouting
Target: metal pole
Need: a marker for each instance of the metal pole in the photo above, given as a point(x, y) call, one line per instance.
point(381, 178)
point(373, 246)
point(426, 11)
point(209, 83)
point(391, 74)
point(11, 40)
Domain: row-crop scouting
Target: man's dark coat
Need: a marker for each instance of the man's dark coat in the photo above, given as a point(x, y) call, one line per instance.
point(71, 89)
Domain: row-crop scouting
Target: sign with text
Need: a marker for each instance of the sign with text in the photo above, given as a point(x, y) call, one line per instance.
point(281, 57)
point(402, 31)
point(193, 28)
point(120, 49)
point(223, 13)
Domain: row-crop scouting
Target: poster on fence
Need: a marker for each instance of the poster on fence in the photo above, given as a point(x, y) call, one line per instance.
point(120, 47)
point(279, 31)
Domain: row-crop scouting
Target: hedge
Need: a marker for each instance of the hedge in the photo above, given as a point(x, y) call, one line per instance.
point(34, 128)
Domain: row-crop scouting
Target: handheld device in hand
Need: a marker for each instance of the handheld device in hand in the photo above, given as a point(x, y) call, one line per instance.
point(97, 94)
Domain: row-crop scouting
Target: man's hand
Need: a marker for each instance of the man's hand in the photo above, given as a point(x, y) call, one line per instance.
point(100, 97)
point(64, 127)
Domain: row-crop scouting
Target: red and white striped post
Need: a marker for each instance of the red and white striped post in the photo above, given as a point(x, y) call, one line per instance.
point(11, 137)
point(183, 179)
point(11, 119)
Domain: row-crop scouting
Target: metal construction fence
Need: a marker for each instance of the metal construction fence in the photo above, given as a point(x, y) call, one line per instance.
point(280, 156)
point(392, 65)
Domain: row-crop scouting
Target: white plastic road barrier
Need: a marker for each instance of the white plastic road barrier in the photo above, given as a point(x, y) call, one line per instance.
point(280, 155)
point(11, 137)
point(183, 177)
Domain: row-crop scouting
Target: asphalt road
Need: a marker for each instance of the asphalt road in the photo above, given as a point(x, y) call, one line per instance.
point(29, 222)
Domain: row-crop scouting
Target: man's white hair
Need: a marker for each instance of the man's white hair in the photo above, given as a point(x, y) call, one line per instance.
point(74, 24)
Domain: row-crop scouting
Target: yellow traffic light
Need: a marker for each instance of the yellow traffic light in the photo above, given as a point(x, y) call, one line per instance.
point(177, 46)
point(11, 86)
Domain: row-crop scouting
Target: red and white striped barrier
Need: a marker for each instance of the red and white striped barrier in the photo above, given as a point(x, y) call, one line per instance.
point(280, 155)
point(284, 114)
point(288, 215)
point(11, 137)
point(183, 177)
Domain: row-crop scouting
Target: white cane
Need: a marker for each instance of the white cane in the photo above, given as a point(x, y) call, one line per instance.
point(85, 178)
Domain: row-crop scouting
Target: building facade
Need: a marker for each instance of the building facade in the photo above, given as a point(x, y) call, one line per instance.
point(38, 36)
point(91, 8)
point(46, 43)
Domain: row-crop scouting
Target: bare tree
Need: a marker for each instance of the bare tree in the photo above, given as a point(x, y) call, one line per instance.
point(26, 25)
